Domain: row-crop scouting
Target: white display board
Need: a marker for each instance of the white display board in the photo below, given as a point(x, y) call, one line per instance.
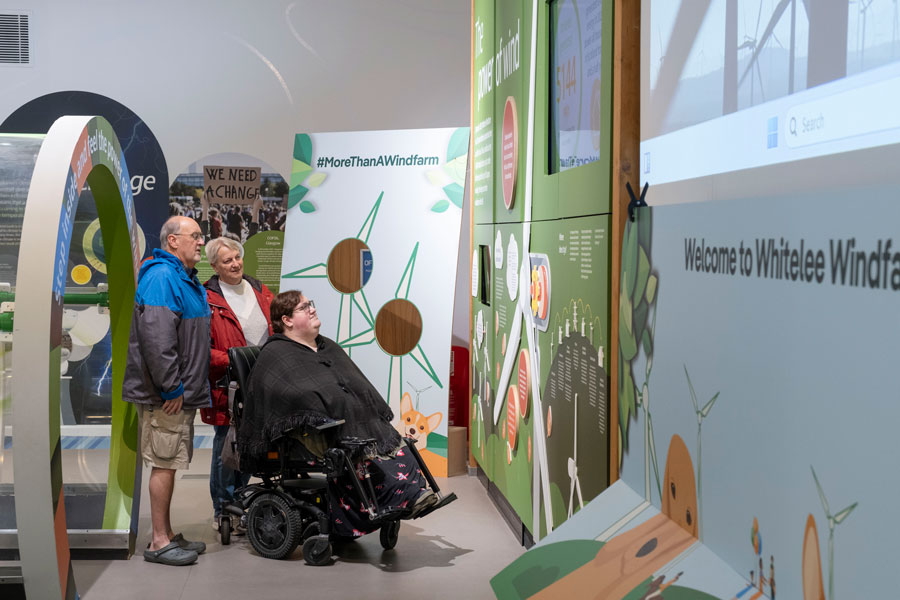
point(394, 199)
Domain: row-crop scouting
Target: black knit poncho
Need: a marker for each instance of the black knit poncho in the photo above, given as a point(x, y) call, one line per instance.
point(292, 386)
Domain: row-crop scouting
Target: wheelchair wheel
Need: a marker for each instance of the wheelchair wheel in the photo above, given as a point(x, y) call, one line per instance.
point(273, 526)
point(317, 550)
point(225, 529)
point(390, 533)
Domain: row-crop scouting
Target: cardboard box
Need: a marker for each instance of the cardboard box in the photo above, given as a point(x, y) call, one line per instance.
point(457, 451)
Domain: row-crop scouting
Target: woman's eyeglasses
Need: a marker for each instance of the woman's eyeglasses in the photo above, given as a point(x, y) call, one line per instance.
point(306, 306)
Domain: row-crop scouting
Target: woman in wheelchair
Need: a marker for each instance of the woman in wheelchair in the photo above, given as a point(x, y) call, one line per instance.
point(300, 384)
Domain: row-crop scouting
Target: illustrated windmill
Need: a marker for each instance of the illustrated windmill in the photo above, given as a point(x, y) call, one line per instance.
point(643, 401)
point(345, 336)
point(701, 414)
point(418, 392)
point(572, 465)
point(833, 521)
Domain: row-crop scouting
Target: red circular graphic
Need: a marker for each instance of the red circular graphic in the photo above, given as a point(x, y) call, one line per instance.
point(509, 152)
point(543, 305)
point(524, 382)
point(512, 416)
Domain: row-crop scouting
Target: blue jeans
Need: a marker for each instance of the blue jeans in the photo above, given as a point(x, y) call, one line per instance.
point(222, 480)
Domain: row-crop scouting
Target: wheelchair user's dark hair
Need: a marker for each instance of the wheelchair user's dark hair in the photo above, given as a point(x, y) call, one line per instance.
point(283, 306)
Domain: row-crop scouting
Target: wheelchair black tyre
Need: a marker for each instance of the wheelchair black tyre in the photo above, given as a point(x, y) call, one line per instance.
point(317, 551)
point(225, 530)
point(390, 533)
point(273, 526)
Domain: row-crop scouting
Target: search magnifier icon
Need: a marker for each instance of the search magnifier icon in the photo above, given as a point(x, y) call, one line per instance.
point(793, 126)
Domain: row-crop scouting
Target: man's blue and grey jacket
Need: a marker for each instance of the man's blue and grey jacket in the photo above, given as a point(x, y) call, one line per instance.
point(168, 350)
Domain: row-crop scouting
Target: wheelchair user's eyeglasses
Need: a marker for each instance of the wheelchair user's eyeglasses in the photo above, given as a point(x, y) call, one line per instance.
point(306, 306)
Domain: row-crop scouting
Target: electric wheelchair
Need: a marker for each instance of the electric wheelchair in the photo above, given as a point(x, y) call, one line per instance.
point(289, 506)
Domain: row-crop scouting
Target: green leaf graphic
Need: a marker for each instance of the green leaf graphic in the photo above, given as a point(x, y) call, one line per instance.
point(456, 169)
point(629, 258)
point(296, 195)
point(316, 179)
point(647, 343)
point(307, 206)
point(643, 273)
point(627, 343)
point(454, 191)
point(299, 170)
point(651, 288)
point(303, 148)
point(459, 143)
point(626, 401)
point(440, 206)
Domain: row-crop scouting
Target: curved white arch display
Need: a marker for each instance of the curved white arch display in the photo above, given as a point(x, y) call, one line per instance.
point(76, 150)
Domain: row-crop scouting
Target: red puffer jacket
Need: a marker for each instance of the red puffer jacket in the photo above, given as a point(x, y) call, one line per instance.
point(225, 333)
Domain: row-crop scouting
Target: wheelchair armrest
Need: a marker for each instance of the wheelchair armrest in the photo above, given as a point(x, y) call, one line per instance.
point(355, 442)
point(329, 424)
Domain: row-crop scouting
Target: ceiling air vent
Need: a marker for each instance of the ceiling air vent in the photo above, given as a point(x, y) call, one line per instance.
point(15, 45)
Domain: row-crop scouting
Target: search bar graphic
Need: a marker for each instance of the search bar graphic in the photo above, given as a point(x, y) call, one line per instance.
point(859, 111)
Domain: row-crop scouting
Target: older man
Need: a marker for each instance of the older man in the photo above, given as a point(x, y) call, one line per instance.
point(240, 317)
point(166, 374)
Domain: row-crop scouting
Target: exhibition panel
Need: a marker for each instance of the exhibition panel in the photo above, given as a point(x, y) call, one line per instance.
point(758, 321)
point(545, 260)
point(371, 236)
point(77, 151)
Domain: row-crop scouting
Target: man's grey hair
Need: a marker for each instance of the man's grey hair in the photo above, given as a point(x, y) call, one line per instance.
point(215, 246)
point(172, 226)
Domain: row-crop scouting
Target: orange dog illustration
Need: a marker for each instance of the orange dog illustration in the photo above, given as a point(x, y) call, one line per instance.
point(414, 424)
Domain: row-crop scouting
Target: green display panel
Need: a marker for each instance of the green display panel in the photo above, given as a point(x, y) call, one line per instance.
point(484, 380)
point(502, 39)
point(548, 463)
point(541, 195)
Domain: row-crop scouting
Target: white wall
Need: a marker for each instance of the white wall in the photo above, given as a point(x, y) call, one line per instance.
point(210, 76)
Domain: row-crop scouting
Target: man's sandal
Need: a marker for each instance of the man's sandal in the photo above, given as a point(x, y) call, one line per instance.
point(172, 555)
point(198, 547)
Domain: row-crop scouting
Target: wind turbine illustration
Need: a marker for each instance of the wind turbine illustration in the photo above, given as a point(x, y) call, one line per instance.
point(833, 521)
point(345, 338)
point(701, 414)
point(643, 400)
point(573, 468)
point(418, 392)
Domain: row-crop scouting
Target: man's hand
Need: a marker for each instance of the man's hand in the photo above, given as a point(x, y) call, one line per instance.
point(204, 204)
point(170, 407)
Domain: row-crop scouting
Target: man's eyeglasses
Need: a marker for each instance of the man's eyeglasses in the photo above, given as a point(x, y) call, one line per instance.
point(306, 306)
point(196, 236)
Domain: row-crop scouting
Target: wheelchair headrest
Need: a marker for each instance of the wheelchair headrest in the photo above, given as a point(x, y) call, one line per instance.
point(240, 362)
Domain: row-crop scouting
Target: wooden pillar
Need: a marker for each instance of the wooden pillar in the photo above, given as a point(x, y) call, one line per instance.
point(626, 106)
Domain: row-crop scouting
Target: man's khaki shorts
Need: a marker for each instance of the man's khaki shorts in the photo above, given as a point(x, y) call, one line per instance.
point(167, 441)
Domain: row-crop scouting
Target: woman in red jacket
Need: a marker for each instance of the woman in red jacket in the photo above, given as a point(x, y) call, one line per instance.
point(240, 317)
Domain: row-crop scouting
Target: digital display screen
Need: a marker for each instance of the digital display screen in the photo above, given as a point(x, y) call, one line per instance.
point(575, 86)
point(741, 86)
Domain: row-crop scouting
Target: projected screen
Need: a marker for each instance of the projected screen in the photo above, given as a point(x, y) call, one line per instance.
point(575, 90)
point(733, 86)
